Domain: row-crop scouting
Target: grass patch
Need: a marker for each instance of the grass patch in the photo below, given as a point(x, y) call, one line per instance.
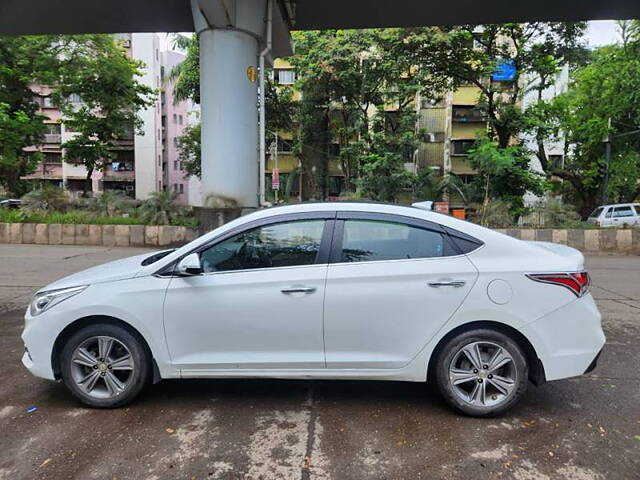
point(8, 215)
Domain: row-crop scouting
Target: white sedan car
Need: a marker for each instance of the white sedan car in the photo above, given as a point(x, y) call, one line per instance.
point(325, 291)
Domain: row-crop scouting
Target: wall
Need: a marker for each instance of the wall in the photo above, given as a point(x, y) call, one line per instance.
point(105, 235)
point(606, 240)
point(622, 241)
point(148, 146)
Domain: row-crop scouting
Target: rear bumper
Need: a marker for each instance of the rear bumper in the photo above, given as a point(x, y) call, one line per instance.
point(568, 340)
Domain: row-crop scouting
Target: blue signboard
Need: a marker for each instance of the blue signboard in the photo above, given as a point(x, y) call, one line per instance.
point(505, 71)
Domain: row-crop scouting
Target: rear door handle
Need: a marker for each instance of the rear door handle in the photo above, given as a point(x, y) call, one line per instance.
point(289, 290)
point(452, 283)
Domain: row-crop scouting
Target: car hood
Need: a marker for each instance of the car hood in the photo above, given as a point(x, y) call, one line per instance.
point(107, 272)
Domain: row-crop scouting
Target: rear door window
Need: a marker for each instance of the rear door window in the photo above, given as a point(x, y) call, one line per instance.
point(623, 212)
point(372, 240)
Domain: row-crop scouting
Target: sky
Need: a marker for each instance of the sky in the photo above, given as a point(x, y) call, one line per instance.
point(599, 32)
point(602, 32)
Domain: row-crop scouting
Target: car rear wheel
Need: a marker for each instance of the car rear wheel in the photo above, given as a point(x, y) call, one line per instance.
point(481, 372)
point(105, 365)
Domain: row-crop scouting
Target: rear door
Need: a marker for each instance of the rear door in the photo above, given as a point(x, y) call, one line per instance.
point(392, 283)
point(624, 215)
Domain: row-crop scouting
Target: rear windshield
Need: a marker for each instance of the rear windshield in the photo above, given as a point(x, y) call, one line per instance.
point(596, 213)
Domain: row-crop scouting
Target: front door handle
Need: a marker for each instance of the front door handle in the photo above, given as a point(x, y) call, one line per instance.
point(289, 290)
point(452, 283)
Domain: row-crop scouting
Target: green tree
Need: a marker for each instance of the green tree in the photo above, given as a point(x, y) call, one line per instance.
point(503, 173)
point(189, 151)
point(471, 55)
point(100, 97)
point(358, 88)
point(23, 61)
point(603, 102)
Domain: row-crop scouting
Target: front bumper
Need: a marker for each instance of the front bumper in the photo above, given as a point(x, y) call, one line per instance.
point(38, 337)
point(568, 340)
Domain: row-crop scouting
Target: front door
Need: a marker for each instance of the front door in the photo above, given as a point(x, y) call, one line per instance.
point(391, 288)
point(257, 304)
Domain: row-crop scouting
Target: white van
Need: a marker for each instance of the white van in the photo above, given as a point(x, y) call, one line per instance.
point(619, 215)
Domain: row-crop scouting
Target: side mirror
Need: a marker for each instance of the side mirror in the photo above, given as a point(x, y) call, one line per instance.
point(189, 265)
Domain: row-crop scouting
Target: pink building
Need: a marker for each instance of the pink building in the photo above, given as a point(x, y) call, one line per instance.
point(174, 120)
point(145, 161)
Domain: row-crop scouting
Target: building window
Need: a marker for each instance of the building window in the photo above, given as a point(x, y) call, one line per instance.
point(285, 146)
point(181, 188)
point(179, 119)
point(52, 133)
point(52, 157)
point(123, 161)
point(47, 102)
point(175, 187)
point(461, 147)
point(159, 160)
point(466, 114)
point(334, 149)
point(53, 129)
point(175, 165)
point(175, 141)
point(175, 118)
point(286, 76)
point(158, 134)
point(75, 98)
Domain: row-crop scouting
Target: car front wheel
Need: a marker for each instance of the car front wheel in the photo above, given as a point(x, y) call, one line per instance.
point(481, 372)
point(104, 365)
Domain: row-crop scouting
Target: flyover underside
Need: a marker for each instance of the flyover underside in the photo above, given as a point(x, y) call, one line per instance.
point(114, 16)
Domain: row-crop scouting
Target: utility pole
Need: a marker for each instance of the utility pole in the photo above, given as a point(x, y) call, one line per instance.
point(607, 163)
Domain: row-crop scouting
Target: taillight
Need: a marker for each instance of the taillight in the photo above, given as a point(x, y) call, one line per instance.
point(579, 283)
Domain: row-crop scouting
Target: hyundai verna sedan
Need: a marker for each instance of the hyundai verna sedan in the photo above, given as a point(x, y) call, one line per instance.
point(325, 291)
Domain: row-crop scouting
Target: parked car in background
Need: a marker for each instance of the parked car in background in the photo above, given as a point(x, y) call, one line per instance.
point(325, 291)
point(618, 215)
point(10, 203)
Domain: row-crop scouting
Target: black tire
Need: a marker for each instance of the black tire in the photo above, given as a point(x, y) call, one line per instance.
point(457, 397)
point(137, 379)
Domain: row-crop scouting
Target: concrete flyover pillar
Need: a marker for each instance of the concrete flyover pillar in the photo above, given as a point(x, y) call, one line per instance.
point(232, 35)
point(229, 109)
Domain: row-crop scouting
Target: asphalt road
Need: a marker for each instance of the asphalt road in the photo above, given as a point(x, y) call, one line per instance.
point(584, 428)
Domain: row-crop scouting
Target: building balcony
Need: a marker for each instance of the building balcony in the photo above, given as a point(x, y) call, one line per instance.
point(52, 138)
point(468, 115)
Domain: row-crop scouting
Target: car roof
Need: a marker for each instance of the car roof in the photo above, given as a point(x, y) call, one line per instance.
point(366, 207)
point(632, 204)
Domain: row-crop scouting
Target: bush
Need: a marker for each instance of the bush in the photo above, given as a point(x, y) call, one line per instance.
point(552, 213)
point(45, 199)
point(161, 208)
point(496, 215)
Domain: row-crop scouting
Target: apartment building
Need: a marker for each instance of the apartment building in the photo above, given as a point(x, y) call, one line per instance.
point(449, 128)
point(143, 161)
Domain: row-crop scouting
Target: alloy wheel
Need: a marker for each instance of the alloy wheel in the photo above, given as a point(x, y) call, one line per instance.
point(102, 367)
point(483, 374)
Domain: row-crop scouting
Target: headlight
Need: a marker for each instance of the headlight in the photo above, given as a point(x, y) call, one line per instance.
point(45, 300)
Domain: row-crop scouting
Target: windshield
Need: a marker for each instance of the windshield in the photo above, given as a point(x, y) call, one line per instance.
point(596, 213)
